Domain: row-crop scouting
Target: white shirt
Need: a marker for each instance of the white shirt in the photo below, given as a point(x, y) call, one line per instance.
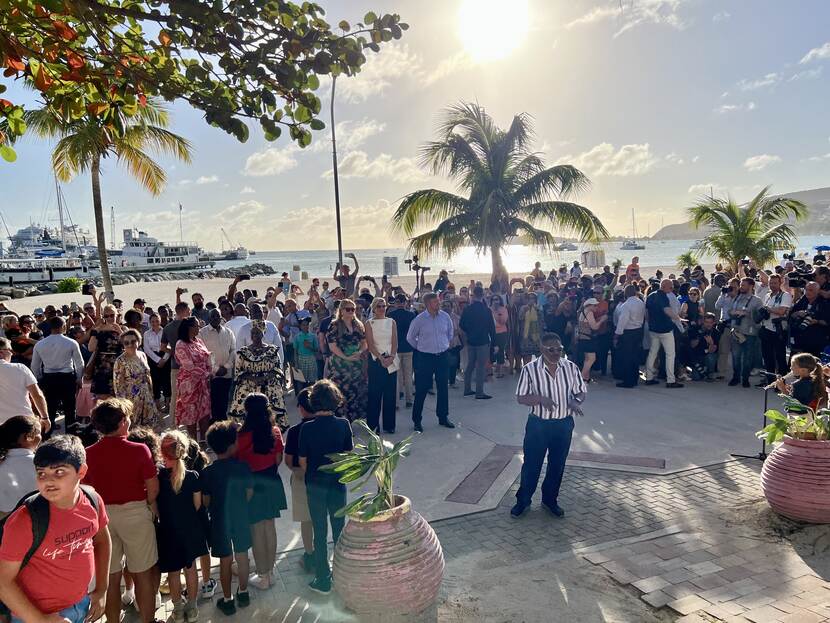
point(632, 315)
point(270, 336)
point(57, 353)
point(151, 344)
point(17, 477)
point(274, 315)
point(15, 381)
point(782, 299)
point(222, 346)
point(235, 324)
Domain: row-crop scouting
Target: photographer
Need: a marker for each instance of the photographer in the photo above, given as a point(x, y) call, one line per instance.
point(744, 330)
point(823, 281)
point(344, 276)
point(723, 306)
point(773, 334)
point(703, 348)
point(809, 320)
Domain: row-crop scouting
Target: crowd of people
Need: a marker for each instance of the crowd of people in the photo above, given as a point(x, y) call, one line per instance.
point(175, 419)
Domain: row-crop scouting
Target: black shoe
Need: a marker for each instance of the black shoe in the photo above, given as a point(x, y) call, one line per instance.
point(734, 382)
point(320, 586)
point(243, 598)
point(418, 428)
point(408, 405)
point(652, 382)
point(554, 509)
point(389, 431)
point(308, 562)
point(674, 385)
point(625, 385)
point(483, 397)
point(518, 510)
point(745, 384)
point(446, 423)
point(226, 607)
point(469, 393)
point(431, 392)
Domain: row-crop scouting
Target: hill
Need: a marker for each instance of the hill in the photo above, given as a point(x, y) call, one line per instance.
point(817, 222)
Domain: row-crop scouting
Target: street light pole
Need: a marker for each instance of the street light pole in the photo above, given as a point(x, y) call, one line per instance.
point(336, 179)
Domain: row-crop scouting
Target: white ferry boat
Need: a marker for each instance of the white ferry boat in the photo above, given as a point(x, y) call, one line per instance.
point(143, 253)
point(43, 270)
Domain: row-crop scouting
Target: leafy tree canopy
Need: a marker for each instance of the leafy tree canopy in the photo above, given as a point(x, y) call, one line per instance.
point(235, 60)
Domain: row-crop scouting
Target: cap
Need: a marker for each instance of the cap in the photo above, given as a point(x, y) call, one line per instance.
point(38, 311)
point(303, 314)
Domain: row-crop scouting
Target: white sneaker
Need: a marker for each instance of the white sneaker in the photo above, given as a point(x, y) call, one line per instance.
point(208, 589)
point(128, 597)
point(262, 582)
point(158, 601)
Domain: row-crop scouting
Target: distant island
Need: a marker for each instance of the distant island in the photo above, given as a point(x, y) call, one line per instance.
point(817, 222)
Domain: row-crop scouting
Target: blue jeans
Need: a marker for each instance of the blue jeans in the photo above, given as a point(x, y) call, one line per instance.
point(325, 498)
point(75, 614)
point(743, 357)
point(551, 437)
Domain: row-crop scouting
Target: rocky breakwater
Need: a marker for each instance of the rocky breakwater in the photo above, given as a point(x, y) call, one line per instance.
point(120, 279)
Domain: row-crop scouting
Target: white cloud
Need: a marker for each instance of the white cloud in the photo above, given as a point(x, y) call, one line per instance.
point(631, 15)
point(769, 80)
point(377, 74)
point(358, 164)
point(721, 16)
point(758, 163)
point(271, 161)
point(695, 159)
point(807, 74)
point(727, 108)
point(817, 54)
point(707, 189)
point(350, 135)
point(448, 66)
point(819, 158)
point(674, 158)
point(247, 190)
point(605, 159)
point(207, 179)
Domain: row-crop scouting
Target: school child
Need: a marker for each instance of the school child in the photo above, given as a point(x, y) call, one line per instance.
point(808, 387)
point(19, 438)
point(299, 498)
point(196, 460)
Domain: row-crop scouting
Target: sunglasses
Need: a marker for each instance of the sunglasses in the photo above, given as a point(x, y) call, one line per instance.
point(130, 342)
point(552, 349)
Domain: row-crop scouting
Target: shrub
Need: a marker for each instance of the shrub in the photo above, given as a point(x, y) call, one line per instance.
point(70, 284)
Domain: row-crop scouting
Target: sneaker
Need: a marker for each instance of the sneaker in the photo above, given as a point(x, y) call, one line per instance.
point(243, 598)
point(674, 385)
point(734, 382)
point(518, 510)
point(308, 562)
point(261, 582)
point(470, 393)
point(164, 587)
point(158, 601)
point(191, 612)
point(178, 612)
point(128, 597)
point(320, 586)
point(418, 428)
point(483, 397)
point(208, 589)
point(226, 606)
point(652, 382)
point(554, 509)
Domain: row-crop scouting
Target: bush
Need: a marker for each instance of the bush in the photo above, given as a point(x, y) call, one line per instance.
point(70, 284)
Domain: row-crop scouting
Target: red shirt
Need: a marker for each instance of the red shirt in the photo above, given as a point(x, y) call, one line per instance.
point(118, 469)
point(59, 573)
point(258, 462)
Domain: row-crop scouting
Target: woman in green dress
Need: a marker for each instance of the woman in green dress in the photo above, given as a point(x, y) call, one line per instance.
point(346, 338)
point(257, 369)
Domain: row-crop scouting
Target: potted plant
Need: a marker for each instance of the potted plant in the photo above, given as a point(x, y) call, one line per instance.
point(796, 475)
point(388, 562)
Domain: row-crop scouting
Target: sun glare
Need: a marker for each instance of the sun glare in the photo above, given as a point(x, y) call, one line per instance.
point(492, 29)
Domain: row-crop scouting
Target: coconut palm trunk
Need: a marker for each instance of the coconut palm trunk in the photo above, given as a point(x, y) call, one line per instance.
point(500, 274)
point(95, 171)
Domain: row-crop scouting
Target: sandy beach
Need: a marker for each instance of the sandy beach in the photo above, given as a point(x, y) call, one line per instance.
point(157, 293)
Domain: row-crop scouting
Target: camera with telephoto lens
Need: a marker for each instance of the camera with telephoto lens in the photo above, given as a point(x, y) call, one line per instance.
point(789, 256)
point(804, 323)
point(762, 314)
point(796, 279)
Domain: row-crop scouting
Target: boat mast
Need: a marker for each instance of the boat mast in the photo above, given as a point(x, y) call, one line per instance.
point(181, 231)
point(60, 213)
point(112, 226)
point(633, 226)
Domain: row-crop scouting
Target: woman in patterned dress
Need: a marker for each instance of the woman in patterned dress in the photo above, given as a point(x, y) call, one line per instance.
point(131, 380)
point(346, 338)
point(257, 369)
point(306, 350)
point(193, 380)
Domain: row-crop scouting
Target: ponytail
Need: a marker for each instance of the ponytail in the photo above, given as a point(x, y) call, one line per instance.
point(811, 363)
point(13, 429)
point(174, 447)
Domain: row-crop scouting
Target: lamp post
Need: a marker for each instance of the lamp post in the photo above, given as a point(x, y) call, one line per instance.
point(336, 179)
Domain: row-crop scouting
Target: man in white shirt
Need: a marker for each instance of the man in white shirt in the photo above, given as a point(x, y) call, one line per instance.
point(239, 320)
point(628, 337)
point(221, 343)
point(773, 332)
point(59, 368)
point(19, 390)
point(274, 313)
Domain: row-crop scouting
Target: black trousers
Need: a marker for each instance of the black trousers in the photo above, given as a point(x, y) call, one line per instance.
point(59, 390)
point(551, 437)
point(774, 351)
point(603, 346)
point(426, 367)
point(325, 498)
point(629, 351)
point(382, 388)
point(161, 378)
point(220, 397)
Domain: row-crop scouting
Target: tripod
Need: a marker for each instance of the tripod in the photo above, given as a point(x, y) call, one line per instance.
point(762, 455)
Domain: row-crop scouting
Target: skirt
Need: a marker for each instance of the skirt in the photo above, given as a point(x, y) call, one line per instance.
point(587, 346)
point(178, 548)
point(269, 496)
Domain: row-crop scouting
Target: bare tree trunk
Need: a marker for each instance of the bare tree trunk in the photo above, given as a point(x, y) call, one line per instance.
point(99, 227)
point(499, 272)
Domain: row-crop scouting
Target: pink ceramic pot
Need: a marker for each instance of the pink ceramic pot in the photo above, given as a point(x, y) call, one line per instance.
point(796, 480)
point(390, 567)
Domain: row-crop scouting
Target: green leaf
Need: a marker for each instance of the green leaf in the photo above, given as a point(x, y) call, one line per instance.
point(317, 124)
point(7, 153)
point(370, 18)
point(353, 506)
point(344, 25)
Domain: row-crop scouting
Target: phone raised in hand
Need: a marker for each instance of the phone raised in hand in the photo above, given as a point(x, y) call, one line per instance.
point(244, 277)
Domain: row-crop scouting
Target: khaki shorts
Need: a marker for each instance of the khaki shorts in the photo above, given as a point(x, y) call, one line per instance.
point(299, 499)
point(133, 536)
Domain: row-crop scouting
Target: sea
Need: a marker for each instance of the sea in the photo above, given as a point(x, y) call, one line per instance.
point(517, 258)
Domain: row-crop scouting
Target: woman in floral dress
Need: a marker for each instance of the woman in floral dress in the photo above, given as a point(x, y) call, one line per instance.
point(193, 381)
point(131, 380)
point(258, 369)
point(346, 338)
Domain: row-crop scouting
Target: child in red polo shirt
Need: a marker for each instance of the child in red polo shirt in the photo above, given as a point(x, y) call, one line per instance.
point(52, 585)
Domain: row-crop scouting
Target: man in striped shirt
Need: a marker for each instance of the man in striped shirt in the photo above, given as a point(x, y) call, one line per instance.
point(554, 389)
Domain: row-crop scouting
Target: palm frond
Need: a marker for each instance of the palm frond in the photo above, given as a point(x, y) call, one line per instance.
point(425, 207)
point(157, 140)
point(561, 181)
point(142, 167)
point(570, 218)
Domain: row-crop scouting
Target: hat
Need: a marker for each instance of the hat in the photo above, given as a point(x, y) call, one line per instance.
point(139, 302)
point(38, 311)
point(303, 314)
point(591, 301)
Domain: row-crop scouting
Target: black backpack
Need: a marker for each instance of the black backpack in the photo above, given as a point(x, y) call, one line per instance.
point(38, 508)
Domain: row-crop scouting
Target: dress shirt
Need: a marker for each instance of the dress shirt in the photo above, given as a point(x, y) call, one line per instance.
point(561, 388)
point(270, 336)
point(222, 346)
point(151, 344)
point(55, 354)
point(235, 324)
point(725, 303)
point(17, 477)
point(632, 315)
point(431, 334)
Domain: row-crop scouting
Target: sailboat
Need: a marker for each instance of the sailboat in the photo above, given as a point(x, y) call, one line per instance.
point(632, 244)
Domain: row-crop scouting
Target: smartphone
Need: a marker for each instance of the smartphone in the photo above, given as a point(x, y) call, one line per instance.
point(87, 289)
point(244, 277)
point(183, 290)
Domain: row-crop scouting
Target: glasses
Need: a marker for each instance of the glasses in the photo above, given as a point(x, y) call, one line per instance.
point(130, 342)
point(552, 349)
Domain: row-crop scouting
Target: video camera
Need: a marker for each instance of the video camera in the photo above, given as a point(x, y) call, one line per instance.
point(413, 264)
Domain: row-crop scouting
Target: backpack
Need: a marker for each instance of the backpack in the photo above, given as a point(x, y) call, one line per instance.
point(38, 508)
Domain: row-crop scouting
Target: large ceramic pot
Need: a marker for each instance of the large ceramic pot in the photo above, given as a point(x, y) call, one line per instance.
point(796, 480)
point(389, 568)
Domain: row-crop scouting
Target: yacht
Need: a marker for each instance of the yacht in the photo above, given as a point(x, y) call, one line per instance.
point(43, 270)
point(631, 244)
point(143, 253)
point(567, 246)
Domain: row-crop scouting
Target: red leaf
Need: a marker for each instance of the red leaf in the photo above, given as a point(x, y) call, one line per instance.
point(64, 31)
point(74, 60)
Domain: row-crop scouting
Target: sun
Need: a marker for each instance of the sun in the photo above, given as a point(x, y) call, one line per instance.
point(491, 29)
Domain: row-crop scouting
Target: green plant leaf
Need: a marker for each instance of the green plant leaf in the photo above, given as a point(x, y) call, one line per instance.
point(7, 153)
point(353, 506)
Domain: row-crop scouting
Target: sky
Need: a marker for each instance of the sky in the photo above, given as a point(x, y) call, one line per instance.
point(657, 101)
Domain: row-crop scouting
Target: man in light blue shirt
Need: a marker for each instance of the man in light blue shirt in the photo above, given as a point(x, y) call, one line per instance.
point(430, 335)
point(59, 367)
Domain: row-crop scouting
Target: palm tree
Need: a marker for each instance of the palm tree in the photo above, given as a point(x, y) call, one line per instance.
point(507, 191)
point(754, 230)
point(687, 260)
point(84, 143)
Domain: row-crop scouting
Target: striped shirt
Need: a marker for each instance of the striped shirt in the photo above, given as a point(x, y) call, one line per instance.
point(564, 385)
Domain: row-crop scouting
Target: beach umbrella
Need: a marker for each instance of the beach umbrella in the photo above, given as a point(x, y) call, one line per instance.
point(822, 247)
